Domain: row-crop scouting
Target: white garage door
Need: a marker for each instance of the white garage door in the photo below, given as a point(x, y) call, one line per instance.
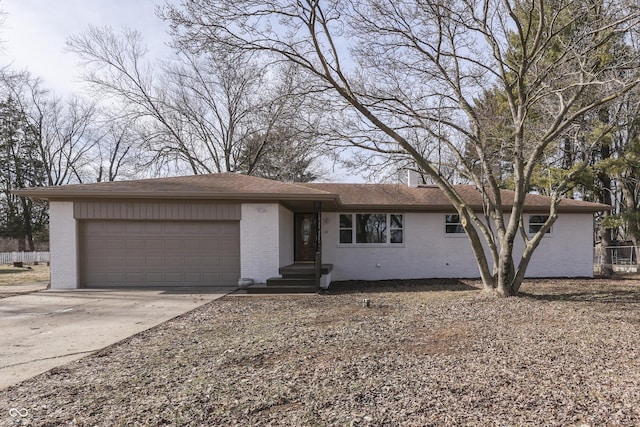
point(159, 253)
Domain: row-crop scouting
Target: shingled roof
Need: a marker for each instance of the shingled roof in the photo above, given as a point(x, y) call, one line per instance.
point(209, 186)
point(431, 198)
point(230, 186)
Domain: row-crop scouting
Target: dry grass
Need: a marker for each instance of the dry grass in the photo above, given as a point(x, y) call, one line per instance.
point(423, 354)
point(10, 275)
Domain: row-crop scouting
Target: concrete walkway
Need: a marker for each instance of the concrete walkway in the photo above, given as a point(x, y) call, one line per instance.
point(42, 330)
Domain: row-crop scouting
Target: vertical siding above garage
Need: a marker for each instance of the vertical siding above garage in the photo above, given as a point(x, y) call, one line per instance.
point(140, 210)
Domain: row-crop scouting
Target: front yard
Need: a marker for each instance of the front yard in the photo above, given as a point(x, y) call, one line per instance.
point(432, 353)
point(30, 273)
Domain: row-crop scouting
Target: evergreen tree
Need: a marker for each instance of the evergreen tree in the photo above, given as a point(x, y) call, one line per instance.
point(20, 217)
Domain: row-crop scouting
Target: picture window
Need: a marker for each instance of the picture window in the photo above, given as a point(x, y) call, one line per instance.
point(371, 228)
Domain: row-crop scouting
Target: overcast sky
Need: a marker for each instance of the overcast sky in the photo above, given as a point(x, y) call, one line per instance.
point(34, 33)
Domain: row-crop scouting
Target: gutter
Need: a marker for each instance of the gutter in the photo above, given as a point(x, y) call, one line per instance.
point(57, 194)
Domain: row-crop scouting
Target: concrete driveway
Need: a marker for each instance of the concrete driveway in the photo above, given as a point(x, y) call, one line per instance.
point(46, 329)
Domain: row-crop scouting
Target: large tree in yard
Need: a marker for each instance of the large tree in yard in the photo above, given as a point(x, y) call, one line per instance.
point(205, 112)
point(411, 73)
point(20, 167)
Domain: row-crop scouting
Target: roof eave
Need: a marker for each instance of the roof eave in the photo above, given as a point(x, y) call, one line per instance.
point(475, 208)
point(64, 195)
point(56, 195)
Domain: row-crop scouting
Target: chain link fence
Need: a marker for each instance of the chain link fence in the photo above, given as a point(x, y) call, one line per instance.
point(623, 259)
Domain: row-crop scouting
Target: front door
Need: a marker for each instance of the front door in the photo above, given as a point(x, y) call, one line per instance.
point(306, 236)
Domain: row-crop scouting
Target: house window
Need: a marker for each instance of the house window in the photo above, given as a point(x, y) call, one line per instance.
point(371, 228)
point(346, 229)
point(536, 222)
point(452, 224)
point(396, 227)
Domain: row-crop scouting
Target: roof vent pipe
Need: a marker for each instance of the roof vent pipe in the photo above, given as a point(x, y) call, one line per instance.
point(413, 178)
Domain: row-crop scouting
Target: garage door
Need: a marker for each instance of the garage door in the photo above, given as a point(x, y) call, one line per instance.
point(159, 253)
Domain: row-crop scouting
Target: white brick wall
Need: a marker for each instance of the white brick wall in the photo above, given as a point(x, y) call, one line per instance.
point(428, 252)
point(567, 251)
point(266, 239)
point(259, 241)
point(63, 240)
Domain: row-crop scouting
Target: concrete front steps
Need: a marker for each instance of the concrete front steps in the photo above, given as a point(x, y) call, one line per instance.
point(295, 279)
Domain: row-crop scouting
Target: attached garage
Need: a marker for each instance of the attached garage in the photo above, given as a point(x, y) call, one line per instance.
point(136, 245)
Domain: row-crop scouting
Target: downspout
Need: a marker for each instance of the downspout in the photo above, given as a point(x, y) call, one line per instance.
point(317, 208)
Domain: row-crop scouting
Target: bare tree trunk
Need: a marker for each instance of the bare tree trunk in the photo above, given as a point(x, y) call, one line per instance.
point(605, 245)
point(606, 233)
point(633, 227)
point(27, 228)
point(506, 271)
point(22, 244)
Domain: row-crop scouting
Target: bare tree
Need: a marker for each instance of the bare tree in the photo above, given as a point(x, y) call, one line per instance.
point(421, 65)
point(618, 169)
point(196, 112)
point(65, 129)
point(118, 154)
point(46, 141)
point(20, 167)
point(289, 131)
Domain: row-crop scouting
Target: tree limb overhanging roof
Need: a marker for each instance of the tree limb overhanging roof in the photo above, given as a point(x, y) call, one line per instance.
point(236, 187)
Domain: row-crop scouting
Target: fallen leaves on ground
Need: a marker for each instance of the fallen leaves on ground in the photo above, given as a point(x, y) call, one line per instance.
point(425, 353)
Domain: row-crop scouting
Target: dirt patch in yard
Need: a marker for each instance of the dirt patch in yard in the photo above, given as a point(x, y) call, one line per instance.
point(423, 353)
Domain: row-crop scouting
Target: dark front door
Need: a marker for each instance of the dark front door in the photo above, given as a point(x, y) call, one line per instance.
point(306, 236)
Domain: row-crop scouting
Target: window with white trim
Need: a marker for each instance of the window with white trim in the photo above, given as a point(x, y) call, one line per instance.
point(452, 224)
point(536, 222)
point(346, 228)
point(371, 228)
point(396, 229)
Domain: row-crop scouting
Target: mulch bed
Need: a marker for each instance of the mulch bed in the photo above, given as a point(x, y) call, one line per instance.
point(423, 353)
